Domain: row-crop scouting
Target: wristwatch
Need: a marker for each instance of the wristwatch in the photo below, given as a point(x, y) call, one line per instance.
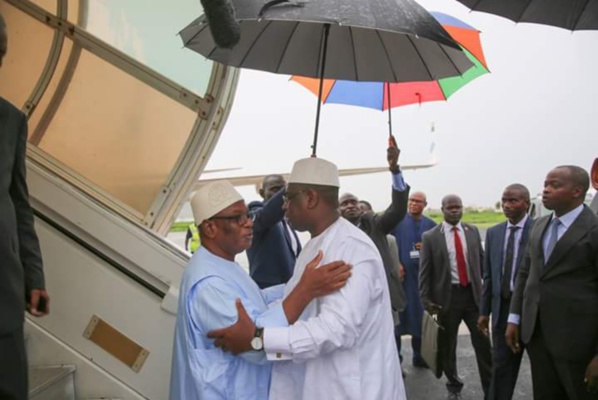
point(256, 343)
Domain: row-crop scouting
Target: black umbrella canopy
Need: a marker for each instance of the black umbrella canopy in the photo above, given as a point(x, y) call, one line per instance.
point(365, 40)
point(569, 14)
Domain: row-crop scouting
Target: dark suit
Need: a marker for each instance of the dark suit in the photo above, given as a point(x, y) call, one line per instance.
point(377, 226)
point(558, 305)
point(20, 257)
point(505, 363)
point(271, 256)
point(458, 303)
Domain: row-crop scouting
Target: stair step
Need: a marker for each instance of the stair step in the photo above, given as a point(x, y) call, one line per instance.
point(53, 382)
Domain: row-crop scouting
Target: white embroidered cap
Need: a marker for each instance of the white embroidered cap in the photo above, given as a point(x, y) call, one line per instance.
point(212, 198)
point(314, 171)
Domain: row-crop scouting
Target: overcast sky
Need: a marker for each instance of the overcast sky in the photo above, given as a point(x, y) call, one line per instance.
point(535, 110)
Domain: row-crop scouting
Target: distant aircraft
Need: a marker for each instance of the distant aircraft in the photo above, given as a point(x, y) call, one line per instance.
point(256, 180)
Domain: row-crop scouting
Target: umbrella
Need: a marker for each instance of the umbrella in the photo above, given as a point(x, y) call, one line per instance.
point(385, 95)
point(569, 14)
point(373, 40)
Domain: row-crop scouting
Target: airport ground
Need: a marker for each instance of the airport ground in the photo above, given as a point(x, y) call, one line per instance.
point(421, 384)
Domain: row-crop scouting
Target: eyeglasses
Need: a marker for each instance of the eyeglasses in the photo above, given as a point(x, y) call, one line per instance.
point(240, 219)
point(417, 201)
point(288, 197)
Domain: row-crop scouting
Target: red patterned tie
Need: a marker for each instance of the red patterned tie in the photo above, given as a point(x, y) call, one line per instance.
point(460, 256)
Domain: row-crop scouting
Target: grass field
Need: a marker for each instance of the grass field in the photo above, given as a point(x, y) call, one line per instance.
point(180, 226)
point(481, 219)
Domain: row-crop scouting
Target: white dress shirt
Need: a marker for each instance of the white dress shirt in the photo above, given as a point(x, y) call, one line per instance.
point(343, 346)
point(449, 237)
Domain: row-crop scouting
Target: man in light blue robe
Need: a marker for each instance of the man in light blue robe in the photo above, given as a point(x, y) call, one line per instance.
point(211, 284)
point(409, 236)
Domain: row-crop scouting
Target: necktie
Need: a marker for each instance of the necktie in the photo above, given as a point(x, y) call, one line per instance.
point(554, 236)
point(460, 256)
point(508, 269)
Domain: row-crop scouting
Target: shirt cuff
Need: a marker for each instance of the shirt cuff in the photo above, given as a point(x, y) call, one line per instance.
point(276, 344)
point(398, 183)
point(273, 316)
point(514, 319)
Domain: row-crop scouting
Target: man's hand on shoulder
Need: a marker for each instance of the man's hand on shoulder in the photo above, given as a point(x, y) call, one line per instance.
point(591, 378)
point(39, 303)
point(326, 279)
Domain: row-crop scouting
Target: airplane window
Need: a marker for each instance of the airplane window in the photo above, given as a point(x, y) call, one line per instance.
point(99, 123)
point(117, 132)
point(151, 36)
point(48, 5)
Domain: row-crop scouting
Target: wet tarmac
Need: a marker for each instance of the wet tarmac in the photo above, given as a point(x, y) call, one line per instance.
point(422, 385)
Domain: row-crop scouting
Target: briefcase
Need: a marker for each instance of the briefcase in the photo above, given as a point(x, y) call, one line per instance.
point(430, 349)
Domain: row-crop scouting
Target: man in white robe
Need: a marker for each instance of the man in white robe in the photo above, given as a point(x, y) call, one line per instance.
point(212, 283)
point(343, 345)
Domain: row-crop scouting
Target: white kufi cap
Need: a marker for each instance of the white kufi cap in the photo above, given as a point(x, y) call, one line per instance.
point(212, 198)
point(314, 171)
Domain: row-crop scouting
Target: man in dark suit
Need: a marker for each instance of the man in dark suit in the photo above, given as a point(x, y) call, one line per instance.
point(505, 245)
point(559, 277)
point(21, 273)
point(450, 285)
point(275, 245)
point(377, 226)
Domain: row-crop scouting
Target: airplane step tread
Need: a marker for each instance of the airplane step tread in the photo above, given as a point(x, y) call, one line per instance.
point(52, 382)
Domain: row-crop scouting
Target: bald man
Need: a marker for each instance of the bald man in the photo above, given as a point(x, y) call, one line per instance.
point(555, 301)
point(450, 285)
point(408, 234)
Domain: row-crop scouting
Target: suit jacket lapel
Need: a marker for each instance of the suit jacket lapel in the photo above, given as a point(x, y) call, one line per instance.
point(297, 241)
point(542, 225)
point(439, 233)
point(471, 243)
point(576, 231)
point(3, 117)
point(287, 237)
point(499, 246)
point(287, 231)
point(523, 241)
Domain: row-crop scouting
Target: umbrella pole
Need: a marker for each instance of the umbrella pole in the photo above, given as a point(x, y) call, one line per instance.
point(389, 107)
point(321, 88)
